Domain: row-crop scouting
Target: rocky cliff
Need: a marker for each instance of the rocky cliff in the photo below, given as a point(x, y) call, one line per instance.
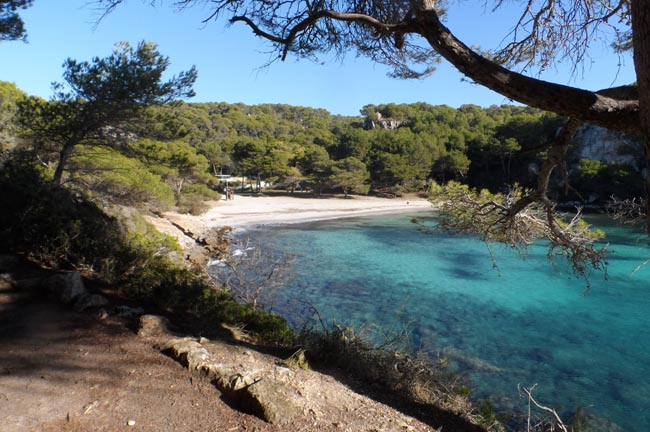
point(607, 146)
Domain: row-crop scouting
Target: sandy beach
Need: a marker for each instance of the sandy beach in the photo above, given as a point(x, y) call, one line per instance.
point(267, 210)
point(264, 210)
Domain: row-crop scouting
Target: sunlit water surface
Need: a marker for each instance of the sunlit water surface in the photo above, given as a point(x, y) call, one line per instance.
point(527, 323)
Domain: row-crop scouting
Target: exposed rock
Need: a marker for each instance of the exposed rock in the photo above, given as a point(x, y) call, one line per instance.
point(87, 301)
point(128, 312)
point(213, 244)
point(607, 146)
point(256, 391)
point(153, 325)
point(65, 287)
point(189, 352)
point(7, 281)
point(382, 123)
point(269, 400)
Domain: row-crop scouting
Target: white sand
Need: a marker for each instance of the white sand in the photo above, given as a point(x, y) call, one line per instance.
point(245, 210)
point(265, 210)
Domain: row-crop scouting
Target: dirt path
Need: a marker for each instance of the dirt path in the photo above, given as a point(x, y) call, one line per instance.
point(67, 371)
point(63, 371)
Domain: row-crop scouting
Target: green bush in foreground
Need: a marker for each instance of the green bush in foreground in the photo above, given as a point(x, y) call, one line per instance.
point(413, 378)
point(52, 224)
point(61, 229)
point(64, 230)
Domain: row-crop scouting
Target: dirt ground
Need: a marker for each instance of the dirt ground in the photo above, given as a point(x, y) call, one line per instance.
point(67, 371)
point(63, 371)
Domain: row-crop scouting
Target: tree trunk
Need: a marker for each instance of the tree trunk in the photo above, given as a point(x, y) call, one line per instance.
point(641, 40)
point(179, 186)
point(64, 157)
point(611, 108)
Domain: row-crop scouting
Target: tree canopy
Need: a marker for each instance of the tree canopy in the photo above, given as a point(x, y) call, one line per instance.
point(409, 36)
point(12, 26)
point(98, 100)
point(390, 149)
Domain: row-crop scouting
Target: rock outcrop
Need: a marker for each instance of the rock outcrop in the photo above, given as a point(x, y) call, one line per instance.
point(153, 325)
point(607, 146)
point(89, 301)
point(65, 287)
point(251, 386)
point(265, 386)
point(384, 123)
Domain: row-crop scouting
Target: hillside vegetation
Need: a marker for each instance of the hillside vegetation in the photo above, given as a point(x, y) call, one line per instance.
point(87, 214)
point(171, 156)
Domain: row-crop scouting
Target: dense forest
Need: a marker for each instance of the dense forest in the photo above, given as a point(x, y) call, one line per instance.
point(172, 154)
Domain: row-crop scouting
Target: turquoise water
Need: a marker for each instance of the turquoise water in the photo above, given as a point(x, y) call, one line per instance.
point(527, 323)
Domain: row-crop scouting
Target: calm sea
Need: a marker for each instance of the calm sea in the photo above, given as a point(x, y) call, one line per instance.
point(529, 322)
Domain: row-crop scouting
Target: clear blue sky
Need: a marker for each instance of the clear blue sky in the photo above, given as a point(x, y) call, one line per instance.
point(229, 59)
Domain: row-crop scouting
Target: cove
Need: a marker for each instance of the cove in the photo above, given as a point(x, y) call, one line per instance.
point(530, 322)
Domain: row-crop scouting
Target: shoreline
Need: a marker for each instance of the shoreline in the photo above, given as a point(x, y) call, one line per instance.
point(254, 211)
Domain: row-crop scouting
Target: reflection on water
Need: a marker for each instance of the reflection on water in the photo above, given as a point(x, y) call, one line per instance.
point(529, 323)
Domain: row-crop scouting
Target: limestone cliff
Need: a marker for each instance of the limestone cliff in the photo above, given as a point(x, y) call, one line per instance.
point(607, 146)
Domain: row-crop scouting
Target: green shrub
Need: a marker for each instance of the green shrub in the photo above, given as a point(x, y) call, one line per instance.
point(596, 181)
point(192, 198)
point(52, 224)
point(201, 190)
point(219, 306)
point(111, 176)
point(62, 229)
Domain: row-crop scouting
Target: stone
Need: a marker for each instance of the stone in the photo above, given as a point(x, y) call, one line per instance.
point(270, 401)
point(88, 301)
point(153, 325)
point(128, 312)
point(189, 352)
point(267, 399)
point(65, 287)
point(607, 146)
point(7, 281)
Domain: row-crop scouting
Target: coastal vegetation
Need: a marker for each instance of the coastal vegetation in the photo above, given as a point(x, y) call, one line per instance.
point(154, 154)
point(409, 37)
point(89, 222)
point(114, 137)
point(175, 150)
point(88, 217)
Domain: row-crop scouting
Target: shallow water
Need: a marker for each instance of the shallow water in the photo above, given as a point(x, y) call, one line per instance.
point(527, 323)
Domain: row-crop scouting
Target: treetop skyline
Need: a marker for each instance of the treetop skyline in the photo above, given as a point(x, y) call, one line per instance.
point(230, 61)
